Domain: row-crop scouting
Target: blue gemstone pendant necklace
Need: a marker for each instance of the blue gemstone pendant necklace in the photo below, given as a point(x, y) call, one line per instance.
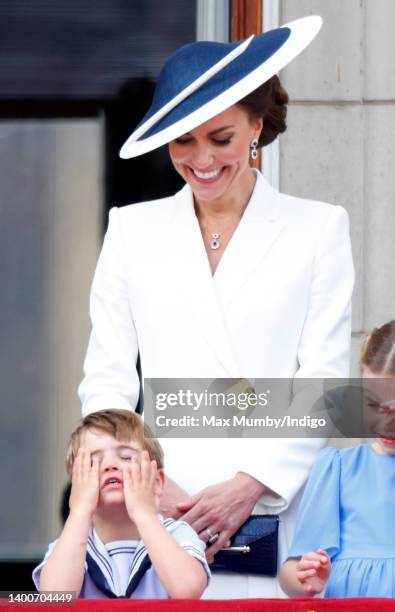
point(215, 243)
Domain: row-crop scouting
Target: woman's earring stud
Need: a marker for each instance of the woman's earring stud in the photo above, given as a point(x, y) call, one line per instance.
point(254, 148)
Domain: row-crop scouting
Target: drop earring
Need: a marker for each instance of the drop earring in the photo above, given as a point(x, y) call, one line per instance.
point(254, 148)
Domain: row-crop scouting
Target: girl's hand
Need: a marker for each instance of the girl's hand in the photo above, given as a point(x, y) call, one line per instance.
point(85, 487)
point(313, 571)
point(139, 484)
point(221, 508)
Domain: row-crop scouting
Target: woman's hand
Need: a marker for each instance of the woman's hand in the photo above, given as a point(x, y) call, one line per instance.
point(313, 571)
point(84, 494)
point(221, 509)
point(172, 495)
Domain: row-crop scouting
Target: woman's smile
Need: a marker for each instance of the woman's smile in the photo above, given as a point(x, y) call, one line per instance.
point(207, 177)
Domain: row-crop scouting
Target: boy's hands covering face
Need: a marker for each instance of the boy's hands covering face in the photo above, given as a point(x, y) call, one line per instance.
point(84, 483)
point(139, 482)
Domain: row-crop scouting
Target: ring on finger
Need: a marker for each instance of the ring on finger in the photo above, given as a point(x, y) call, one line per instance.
point(212, 539)
point(209, 532)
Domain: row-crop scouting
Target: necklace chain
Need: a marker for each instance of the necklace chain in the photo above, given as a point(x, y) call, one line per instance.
point(215, 242)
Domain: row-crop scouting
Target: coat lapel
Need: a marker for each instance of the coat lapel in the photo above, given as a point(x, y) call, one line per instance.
point(256, 233)
point(197, 289)
point(207, 297)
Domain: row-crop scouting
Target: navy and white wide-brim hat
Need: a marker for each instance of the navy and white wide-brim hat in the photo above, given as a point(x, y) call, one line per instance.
point(202, 79)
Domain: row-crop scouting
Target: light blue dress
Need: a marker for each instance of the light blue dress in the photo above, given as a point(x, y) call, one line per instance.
point(348, 509)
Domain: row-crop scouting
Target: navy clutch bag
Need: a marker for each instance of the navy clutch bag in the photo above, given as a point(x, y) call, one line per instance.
point(253, 548)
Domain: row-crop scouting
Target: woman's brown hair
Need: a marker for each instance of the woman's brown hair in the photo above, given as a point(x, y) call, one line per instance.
point(268, 102)
point(378, 350)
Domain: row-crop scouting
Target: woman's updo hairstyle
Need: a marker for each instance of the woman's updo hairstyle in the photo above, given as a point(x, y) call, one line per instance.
point(268, 102)
point(378, 350)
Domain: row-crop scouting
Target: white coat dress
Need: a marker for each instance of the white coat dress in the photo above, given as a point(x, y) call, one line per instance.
point(278, 306)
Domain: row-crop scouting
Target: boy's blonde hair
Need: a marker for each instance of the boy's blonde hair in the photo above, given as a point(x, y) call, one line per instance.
point(123, 425)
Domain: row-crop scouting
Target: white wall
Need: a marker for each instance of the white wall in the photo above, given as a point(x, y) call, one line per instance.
point(340, 143)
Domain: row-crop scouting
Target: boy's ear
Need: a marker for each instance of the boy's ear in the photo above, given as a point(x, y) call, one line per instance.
point(160, 481)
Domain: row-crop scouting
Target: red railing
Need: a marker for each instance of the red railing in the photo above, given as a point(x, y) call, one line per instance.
point(238, 605)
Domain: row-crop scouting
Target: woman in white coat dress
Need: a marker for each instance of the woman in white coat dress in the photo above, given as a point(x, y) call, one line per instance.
point(226, 279)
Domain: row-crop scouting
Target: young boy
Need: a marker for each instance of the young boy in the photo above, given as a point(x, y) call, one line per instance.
point(114, 543)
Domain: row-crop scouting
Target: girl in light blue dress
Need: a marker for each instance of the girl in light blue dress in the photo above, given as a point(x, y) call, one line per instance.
point(344, 543)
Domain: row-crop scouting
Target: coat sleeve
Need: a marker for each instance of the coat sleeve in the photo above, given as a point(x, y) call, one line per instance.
point(111, 379)
point(324, 352)
point(324, 349)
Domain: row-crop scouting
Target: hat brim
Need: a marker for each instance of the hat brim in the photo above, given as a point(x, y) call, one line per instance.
point(301, 33)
